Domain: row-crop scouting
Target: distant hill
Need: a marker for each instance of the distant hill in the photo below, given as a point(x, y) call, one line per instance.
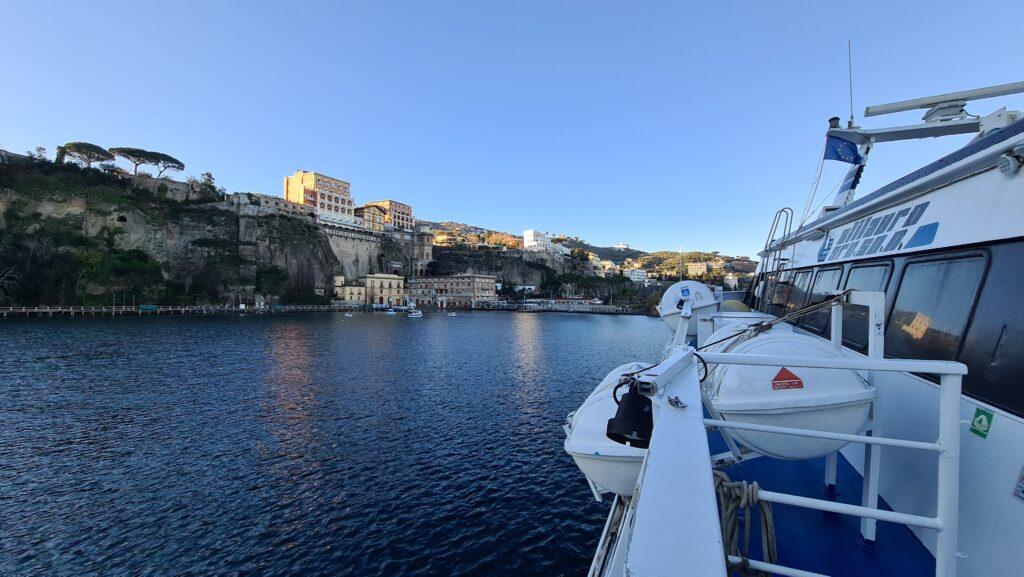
point(605, 252)
point(661, 261)
point(459, 227)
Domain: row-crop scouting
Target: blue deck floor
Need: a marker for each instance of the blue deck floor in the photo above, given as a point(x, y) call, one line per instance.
point(822, 542)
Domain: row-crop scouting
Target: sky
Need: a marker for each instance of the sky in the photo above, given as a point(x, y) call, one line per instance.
point(657, 124)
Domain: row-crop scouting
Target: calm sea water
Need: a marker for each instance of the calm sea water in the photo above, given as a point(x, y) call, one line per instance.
point(301, 444)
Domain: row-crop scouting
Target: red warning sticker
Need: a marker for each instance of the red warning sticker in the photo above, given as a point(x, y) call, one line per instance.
point(786, 380)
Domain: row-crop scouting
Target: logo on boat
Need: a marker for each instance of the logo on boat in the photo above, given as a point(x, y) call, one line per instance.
point(785, 379)
point(884, 233)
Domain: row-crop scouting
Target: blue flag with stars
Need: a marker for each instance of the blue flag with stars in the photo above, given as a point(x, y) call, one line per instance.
point(842, 150)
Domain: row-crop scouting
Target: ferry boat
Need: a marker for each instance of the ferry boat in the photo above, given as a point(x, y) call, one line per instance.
point(871, 377)
point(415, 314)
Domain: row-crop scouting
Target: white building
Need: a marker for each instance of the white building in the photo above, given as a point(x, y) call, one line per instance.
point(622, 246)
point(536, 240)
point(636, 274)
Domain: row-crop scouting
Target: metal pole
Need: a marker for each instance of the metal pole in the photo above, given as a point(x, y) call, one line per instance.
point(856, 510)
point(949, 475)
point(849, 67)
point(813, 434)
point(774, 569)
point(872, 454)
point(837, 325)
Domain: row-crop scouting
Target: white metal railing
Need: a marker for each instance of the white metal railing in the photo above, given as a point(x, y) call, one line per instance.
point(947, 446)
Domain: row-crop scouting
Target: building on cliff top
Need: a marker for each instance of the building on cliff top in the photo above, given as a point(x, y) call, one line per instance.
point(397, 215)
point(330, 198)
point(373, 217)
point(265, 205)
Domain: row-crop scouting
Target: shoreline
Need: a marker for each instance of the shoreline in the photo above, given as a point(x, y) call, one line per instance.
point(213, 310)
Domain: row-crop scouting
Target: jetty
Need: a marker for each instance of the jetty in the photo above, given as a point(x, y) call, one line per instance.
point(144, 309)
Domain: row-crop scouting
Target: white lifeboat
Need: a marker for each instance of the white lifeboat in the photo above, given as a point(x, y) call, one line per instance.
point(835, 400)
point(683, 302)
point(609, 466)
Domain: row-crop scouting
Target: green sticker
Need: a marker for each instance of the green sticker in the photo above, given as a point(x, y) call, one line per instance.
point(981, 423)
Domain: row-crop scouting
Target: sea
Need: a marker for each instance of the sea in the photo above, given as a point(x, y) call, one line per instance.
point(302, 444)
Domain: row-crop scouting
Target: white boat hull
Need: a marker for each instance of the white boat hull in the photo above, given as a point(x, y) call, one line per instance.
point(610, 474)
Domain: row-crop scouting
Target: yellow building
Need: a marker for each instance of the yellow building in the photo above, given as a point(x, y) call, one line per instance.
point(396, 214)
point(457, 291)
point(384, 289)
point(351, 294)
point(331, 198)
point(373, 217)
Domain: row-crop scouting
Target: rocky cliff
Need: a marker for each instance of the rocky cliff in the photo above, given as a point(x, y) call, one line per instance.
point(511, 267)
point(76, 236)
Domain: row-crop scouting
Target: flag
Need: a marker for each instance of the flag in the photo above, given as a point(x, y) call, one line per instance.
point(842, 150)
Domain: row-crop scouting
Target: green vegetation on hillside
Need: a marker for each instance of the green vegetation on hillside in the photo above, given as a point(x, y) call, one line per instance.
point(54, 260)
point(50, 261)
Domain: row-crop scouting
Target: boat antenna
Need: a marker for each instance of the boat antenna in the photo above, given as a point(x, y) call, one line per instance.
point(849, 68)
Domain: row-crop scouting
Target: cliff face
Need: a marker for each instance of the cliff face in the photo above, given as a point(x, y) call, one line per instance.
point(510, 267)
point(76, 236)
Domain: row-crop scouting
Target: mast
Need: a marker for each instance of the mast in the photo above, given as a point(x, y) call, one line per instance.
point(849, 68)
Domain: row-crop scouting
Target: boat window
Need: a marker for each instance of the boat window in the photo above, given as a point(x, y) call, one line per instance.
point(780, 294)
point(932, 307)
point(798, 290)
point(855, 317)
point(825, 282)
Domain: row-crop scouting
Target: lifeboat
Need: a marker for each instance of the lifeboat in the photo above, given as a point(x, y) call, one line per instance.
point(610, 467)
point(834, 400)
point(682, 303)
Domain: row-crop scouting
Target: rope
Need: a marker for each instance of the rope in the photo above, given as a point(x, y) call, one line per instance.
point(814, 184)
point(765, 325)
point(734, 496)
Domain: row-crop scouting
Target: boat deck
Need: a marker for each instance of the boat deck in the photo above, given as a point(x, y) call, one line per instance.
point(822, 542)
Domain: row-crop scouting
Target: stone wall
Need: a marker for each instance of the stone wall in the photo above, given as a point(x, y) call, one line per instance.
point(176, 190)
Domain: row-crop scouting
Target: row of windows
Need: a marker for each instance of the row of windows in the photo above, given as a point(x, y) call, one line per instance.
point(336, 199)
point(334, 208)
point(950, 305)
point(927, 320)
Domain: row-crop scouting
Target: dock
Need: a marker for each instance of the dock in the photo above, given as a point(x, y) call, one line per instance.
point(140, 310)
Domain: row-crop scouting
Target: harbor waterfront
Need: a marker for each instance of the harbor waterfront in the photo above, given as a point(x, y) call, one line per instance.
point(301, 444)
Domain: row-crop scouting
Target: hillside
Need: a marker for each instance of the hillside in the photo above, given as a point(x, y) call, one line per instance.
point(76, 236)
point(501, 237)
point(605, 252)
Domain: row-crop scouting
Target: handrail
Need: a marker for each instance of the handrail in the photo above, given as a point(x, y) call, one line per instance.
point(865, 364)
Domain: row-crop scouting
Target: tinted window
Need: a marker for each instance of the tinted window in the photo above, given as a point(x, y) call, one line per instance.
point(763, 297)
point(780, 294)
point(855, 317)
point(932, 308)
point(825, 283)
point(798, 290)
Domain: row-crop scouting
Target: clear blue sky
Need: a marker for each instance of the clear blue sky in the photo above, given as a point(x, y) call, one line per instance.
point(659, 124)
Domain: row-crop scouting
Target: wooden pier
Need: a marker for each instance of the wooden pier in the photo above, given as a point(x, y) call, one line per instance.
point(140, 310)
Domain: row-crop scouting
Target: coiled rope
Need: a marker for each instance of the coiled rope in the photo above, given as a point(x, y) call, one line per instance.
point(734, 496)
